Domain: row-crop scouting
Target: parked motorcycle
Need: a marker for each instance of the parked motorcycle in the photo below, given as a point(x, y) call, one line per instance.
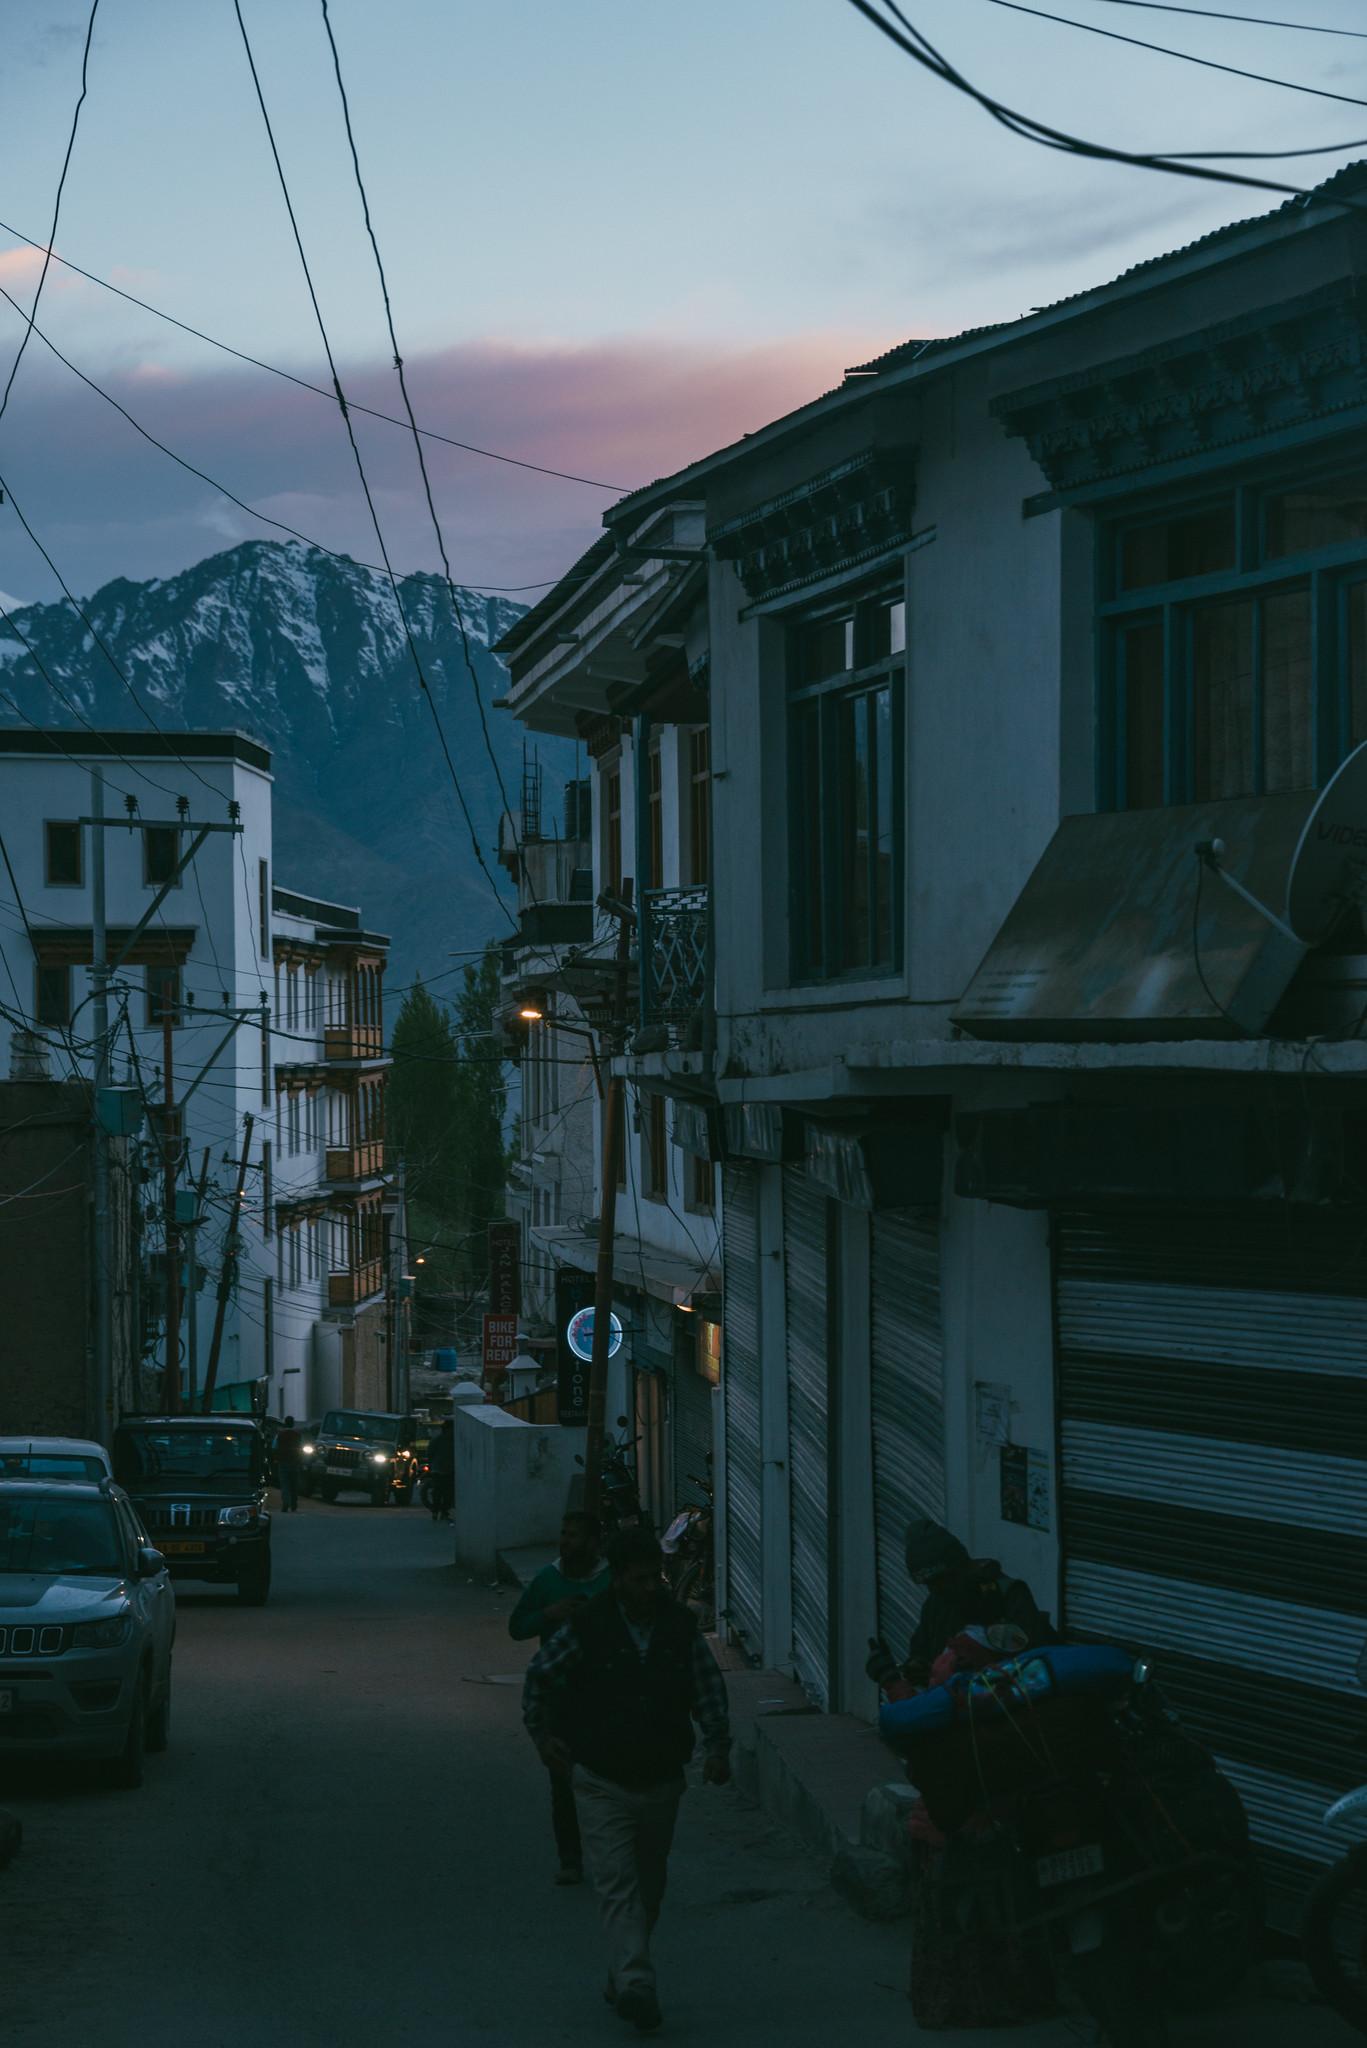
point(1334, 1937)
point(689, 1558)
point(1080, 1825)
point(619, 1504)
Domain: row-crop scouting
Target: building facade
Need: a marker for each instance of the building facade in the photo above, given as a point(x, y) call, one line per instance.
point(269, 1005)
point(1041, 1213)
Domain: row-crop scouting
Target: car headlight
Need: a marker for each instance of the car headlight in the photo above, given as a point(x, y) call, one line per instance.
point(238, 1518)
point(307, 1450)
point(378, 1458)
point(101, 1635)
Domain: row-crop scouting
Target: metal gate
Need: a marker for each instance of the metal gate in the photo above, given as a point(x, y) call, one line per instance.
point(908, 1402)
point(691, 1429)
point(1213, 1405)
point(804, 1253)
point(740, 1397)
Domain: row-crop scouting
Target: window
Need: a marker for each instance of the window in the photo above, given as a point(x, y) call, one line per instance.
point(700, 805)
point(63, 866)
point(700, 1192)
point(160, 853)
point(53, 994)
point(1225, 676)
point(655, 813)
point(654, 1156)
point(163, 995)
point(263, 907)
point(612, 830)
point(845, 722)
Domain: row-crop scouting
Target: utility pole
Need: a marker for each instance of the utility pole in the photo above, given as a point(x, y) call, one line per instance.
point(614, 1112)
point(104, 1275)
point(225, 1278)
point(192, 1291)
point(170, 1138)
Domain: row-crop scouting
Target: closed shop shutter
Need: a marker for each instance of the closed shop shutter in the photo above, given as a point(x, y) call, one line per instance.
point(804, 1252)
point(1213, 1405)
point(740, 1397)
point(908, 1402)
point(692, 1429)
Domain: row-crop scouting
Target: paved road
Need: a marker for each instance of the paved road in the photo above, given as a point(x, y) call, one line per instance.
point(348, 1842)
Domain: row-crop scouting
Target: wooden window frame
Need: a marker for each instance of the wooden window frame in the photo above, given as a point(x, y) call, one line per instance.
point(51, 825)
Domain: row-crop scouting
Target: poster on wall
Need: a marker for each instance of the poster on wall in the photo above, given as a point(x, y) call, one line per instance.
point(1025, 1487)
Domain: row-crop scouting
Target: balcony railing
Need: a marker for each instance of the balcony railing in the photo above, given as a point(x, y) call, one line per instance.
point(353, 1042)
point(355, 1162)
point(676, 956)
point(348, 1290)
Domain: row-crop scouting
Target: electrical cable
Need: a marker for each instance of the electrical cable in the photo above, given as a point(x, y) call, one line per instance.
point(342, 405)
point(914, 44)
point(56, 209)
point(27, 1194)
point(319, 390)
point(1092, 28)
point(1310, 28)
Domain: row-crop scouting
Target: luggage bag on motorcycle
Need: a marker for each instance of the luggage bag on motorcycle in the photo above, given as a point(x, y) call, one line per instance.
point(988, 1734)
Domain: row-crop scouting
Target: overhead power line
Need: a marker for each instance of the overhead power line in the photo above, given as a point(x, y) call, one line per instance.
point(56, 207)
point(568, 476)
point(1309, 28)
point(1113, 35)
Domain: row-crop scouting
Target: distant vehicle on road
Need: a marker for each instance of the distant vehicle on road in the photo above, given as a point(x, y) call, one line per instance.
point(366, 1451)
point(53, 1457)
point(87, 1625)
point(199, 1483)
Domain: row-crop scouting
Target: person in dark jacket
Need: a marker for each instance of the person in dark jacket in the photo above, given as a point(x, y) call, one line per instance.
point(612, 1698)
point(441, 1462)
point(556, 1593)
point(289, 1456)
point(960, 1591)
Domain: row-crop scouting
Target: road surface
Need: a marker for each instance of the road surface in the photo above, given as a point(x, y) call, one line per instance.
point(348, 1842)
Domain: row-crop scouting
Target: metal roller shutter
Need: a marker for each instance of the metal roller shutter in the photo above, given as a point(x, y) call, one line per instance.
point(691, 1431)
point(804, 1252)
point(740, 1397)
point(1212, 1375)
point(908, 1402)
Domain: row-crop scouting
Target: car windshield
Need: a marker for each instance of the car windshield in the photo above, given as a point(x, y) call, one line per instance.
point(50, 1535)
point(203, 1454)
point(49, 1465)
point(376, 1429)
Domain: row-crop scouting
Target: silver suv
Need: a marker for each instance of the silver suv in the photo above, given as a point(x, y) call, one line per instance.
point(87, 1624)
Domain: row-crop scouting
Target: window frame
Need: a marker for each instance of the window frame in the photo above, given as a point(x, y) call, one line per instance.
point(41, 968)
point(1327, 575)
point(152, 975)
point(815, 942)
point(698, 770)
point(151, 880)
point(63, 825)
point(654, 1147)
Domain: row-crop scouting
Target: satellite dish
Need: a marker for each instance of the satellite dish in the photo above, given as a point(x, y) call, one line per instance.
point(1329, 868)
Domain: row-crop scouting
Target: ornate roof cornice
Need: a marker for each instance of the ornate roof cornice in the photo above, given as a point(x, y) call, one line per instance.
point(844, 516)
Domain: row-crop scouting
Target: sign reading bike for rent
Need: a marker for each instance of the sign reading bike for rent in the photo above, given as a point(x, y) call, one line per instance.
point(500, 1349)
point(504, 1291)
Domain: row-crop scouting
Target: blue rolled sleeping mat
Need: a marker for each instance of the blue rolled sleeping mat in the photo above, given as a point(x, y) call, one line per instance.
point(1058, 1670)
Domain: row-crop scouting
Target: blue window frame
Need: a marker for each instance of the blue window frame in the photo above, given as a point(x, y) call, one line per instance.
point(1234, 639)
point(845, 736)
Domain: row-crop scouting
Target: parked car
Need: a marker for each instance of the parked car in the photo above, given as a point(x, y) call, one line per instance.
point(87, 1626)
point(366, 1451)
point(199, 1483)
point(53, 1457)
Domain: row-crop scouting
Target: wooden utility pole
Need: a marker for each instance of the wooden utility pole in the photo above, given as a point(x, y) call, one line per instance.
point(192, 1292)
point(614, 1114)
point(170, 1141)
point(225, 1278)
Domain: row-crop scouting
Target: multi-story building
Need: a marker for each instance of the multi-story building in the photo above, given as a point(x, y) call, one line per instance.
point(616, 655)
point(270, 1003)
point(1041, 1208)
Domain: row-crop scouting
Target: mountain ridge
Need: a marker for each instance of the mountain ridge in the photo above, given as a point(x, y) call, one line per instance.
point(307, 652)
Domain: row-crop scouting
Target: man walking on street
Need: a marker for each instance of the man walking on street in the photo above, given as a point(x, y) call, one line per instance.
point(613, 1696)
point(441, 1463)
point(553, 1596)
point(289, 1451)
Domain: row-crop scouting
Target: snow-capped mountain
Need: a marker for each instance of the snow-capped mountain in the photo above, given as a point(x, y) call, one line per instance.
point(307, 652)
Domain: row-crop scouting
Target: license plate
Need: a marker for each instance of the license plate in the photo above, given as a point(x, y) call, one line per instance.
point(181, 1549)
point(1069, 1864)
point(7, 1702)
point(340, 1471)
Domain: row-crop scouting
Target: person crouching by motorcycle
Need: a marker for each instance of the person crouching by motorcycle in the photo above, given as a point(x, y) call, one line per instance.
point(961, 1592)
point(974, 1615)
point(557, 1592)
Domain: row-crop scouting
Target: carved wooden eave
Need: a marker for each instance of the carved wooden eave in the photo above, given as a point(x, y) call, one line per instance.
point(837, 520)
point(1206, 393)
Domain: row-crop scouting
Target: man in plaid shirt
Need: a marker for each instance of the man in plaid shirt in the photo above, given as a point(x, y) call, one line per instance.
point(612, 1698)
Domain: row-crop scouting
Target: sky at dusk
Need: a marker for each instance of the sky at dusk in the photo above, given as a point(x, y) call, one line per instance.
point(618, 233)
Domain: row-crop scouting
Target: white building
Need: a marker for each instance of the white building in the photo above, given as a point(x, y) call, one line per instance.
point(273, 1002)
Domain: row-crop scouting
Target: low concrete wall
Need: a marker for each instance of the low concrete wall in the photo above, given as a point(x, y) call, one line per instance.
point(513, 1480)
